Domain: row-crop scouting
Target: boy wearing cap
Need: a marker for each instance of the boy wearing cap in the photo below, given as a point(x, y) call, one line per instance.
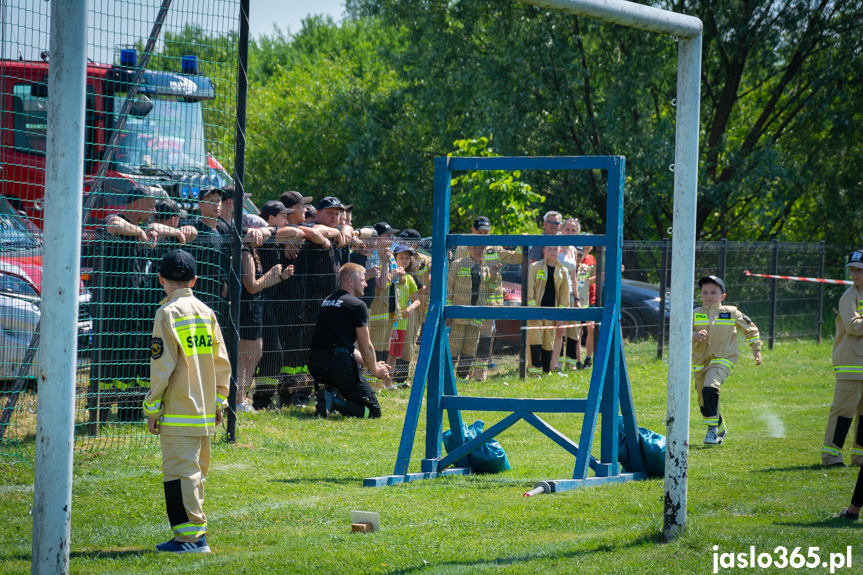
point(189, 375)
point(714, 351)
point(848, 367)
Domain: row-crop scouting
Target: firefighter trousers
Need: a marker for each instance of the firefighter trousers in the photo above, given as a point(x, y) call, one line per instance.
point(185, 462)
point(847, 402)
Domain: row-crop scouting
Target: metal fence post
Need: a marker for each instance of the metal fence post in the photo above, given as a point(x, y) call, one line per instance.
point(773, 293)
point(820, 321)
point(663, 284)
point(522, 357)
point(239, 173)
point(723, 257)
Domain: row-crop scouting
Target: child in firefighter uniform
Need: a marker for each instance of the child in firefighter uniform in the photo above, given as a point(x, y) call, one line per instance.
point(469, 282)
point(714, 351)
point(189, 378)
point(848, 367)
point(548, 282)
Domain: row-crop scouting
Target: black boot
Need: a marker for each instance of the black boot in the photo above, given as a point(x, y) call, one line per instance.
point(545, 357)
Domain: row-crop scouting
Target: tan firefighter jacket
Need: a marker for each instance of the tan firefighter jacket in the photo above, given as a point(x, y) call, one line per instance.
point(459, 286)
point(720, 347)
point(848, 345)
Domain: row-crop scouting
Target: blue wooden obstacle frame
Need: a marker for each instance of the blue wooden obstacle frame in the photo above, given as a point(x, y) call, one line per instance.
point(609, 383)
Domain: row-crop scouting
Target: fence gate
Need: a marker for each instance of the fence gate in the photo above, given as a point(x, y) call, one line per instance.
point(609, 384)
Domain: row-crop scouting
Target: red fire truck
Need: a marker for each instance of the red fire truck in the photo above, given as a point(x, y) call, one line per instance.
point(161, 144)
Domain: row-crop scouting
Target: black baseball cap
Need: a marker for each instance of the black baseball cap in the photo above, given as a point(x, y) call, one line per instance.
point(167, 209)
point(177, 265)
point(403, 248)
point(137, 193)
point(384, 228)
point(855, 259)
point(274, 208)
point(411, 234)
point(212, 190)
point(330, 202)
point(482, 223)
point(712, 280)
point(293, 198)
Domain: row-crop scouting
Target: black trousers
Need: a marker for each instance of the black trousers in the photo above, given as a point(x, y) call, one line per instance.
point(338, 369)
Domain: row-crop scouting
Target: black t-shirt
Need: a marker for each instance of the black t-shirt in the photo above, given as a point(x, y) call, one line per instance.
point(549, 296)
point(340, 315)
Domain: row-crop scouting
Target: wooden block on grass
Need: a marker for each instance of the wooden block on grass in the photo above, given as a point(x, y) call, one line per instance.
point(362, 527)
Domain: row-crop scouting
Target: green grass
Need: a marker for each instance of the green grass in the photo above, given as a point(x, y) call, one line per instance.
point(279, 500)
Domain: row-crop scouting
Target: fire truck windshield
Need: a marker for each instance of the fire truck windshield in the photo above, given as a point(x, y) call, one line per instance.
point(170, 139)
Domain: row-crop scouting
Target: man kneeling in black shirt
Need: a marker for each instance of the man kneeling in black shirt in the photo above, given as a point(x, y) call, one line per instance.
point(340, 342)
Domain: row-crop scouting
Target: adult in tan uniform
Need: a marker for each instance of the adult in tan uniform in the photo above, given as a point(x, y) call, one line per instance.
point(714, 351)
point(548, 282)
point(468, 283)
point(848, 367)
point(189, 380)
point(495, 257)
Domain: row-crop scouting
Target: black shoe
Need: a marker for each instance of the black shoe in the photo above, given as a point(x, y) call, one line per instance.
point(323, 405)
point(587, 362)
point(579, 365)
point(849, 516)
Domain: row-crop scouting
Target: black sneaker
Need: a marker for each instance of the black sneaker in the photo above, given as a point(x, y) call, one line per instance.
point(844, 514)
point(587, 362)
point(321, 404)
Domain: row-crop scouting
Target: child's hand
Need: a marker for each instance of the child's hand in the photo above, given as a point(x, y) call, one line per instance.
point(700, 335)
point(757, 355)
point(218, 417)
point(153, 425)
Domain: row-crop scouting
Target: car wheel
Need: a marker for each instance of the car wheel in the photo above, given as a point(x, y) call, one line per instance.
point(631, 326)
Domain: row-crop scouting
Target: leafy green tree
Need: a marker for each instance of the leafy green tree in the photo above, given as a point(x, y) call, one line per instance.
point(508, 202)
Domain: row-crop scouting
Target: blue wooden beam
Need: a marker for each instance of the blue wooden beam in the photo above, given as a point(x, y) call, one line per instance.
point(454, 240)
point(553, 434)
point(533, 163)
point(477, 441)
point(513, 404)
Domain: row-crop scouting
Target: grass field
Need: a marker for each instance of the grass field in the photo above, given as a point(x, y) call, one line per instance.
point(279, 500)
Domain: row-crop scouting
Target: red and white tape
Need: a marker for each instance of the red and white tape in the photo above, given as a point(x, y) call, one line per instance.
point(800, 279)
point(559, 326)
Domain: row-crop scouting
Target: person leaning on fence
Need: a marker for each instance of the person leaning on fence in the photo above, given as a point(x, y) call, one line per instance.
point(211, 250)
point(495, 257)
point(340, 344)
point(190, 376)
point(121, 309)
point(548, 282)
point(470, 282)
point(407, 293)
point(848, 368)
point(714, 351)
point(385, 306)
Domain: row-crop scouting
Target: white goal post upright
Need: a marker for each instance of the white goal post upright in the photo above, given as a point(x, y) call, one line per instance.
point(688, 30)
point(64, 175)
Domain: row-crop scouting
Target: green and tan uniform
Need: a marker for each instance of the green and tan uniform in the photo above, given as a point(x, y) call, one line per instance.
point(580, 290)
point(537, 276)
point(464, 274)
point(416, 319)
point(713, 358)
point(190, 376)
point(848, 393)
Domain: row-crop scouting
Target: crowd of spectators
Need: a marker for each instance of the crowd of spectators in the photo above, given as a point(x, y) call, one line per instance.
point(291, 255)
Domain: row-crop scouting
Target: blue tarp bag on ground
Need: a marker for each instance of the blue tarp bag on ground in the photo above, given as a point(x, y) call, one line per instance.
point(488, 458)
point(652, 447)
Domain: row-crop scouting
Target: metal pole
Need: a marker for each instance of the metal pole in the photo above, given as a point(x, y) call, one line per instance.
point(775, 271)
point(821, 296)
point(723, 257)
point(525, 262)
point(663, 284)
point(239, 189)
point(64, 176)
point(682, 285)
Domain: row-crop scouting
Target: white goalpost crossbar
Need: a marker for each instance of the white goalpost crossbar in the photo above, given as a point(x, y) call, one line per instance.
point(688, 30)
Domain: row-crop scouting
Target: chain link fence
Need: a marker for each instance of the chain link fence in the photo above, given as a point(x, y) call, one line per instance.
point(160, 123)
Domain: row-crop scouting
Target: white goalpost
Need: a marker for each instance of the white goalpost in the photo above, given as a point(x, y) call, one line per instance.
point(688, 31)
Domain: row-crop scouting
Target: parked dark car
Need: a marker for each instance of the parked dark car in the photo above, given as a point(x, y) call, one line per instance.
point(639, 314)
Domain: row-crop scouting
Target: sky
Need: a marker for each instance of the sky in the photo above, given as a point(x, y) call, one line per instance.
point(288, 14)
point(24, 24)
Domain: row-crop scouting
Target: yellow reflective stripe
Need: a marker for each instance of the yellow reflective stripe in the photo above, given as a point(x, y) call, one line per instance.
point(848, 369)
point(540, 275)
point(563, 305)
point(190, 529)
point(463, 272)
point(830, 450)
point(379, 317)
point(701, 319)
point(152, 408)
point(532, 302)
point(697, 367)
point(711, 420)
point(723, 361)
point(188, 420)
point(856, 451)
point(725, 321)
point(195, 334)
point(756, 338)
